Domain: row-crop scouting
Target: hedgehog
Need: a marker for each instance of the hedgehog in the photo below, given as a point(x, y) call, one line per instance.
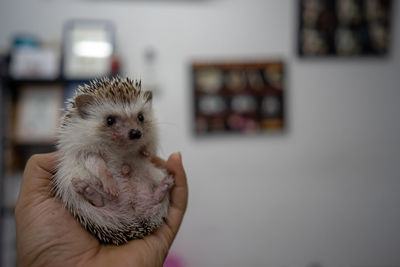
point(105, 175)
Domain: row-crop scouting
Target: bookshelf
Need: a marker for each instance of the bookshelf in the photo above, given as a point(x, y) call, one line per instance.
point(16, 148)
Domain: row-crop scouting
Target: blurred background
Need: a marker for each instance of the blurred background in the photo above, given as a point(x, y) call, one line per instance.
point(286, 114)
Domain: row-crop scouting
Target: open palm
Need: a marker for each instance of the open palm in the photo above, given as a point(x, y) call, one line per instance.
point(47, 234)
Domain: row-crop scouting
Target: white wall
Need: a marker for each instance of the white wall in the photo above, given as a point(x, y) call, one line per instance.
point(327, 191)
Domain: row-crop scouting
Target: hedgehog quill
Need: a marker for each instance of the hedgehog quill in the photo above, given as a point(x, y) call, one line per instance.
point(105, 176)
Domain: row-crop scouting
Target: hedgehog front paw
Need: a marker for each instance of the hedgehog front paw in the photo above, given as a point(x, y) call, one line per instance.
point(144, 152)
point(166, 184)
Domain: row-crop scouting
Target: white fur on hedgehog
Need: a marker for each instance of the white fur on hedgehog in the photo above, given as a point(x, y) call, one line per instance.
point(122, 217)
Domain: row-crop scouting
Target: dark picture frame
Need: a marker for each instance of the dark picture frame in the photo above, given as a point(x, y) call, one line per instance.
point(239, 97)
point(344, 28)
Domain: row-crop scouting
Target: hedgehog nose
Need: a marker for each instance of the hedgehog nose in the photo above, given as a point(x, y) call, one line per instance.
point(134, 134)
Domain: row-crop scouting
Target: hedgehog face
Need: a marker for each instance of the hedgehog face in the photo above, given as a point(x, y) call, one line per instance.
point(118, 121)
point(128, 126)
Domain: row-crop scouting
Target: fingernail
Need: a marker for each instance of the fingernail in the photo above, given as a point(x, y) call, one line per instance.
point(180, 157)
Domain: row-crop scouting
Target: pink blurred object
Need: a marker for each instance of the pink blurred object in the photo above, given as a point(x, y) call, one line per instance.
point(173, 261)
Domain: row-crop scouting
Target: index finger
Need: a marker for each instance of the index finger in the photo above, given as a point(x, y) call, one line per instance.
point(159, 162)
point(174, 166)
point(178, 199)
point(179, 193)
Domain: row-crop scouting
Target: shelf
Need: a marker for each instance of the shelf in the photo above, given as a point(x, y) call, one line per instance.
point(43, 144)
point(17, 82)
point(14, 82)
point(6, 211)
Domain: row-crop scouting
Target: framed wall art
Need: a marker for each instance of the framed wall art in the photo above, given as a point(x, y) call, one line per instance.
point(240, 97)
point(344, 27)
point(88, 47)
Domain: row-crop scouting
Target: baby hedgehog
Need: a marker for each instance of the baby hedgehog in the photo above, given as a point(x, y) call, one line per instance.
point(105, 176)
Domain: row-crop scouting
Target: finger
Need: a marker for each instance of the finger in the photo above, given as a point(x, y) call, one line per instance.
point(179, 193)
point(174, 166)
point(178, 199)
point(161, 240)
point(159, 162)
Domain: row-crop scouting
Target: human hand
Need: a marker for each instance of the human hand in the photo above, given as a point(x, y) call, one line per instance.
point(48, 235)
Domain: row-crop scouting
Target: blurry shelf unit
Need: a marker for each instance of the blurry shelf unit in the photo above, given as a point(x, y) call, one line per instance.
point(3, 69)
point(29, 105)
point(32, 110)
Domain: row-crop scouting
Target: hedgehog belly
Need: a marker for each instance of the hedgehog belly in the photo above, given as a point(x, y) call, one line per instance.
point(119, 220)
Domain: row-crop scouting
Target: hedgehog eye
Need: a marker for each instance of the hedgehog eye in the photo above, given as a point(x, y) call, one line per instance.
point(110, 120)
point(140, 117)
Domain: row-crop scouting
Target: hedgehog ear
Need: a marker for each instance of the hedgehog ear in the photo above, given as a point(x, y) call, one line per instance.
point(148, 96)
point(83, 103)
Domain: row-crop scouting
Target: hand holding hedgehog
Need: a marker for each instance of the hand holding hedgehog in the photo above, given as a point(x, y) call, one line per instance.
point(48, 235)
point(105, 177)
